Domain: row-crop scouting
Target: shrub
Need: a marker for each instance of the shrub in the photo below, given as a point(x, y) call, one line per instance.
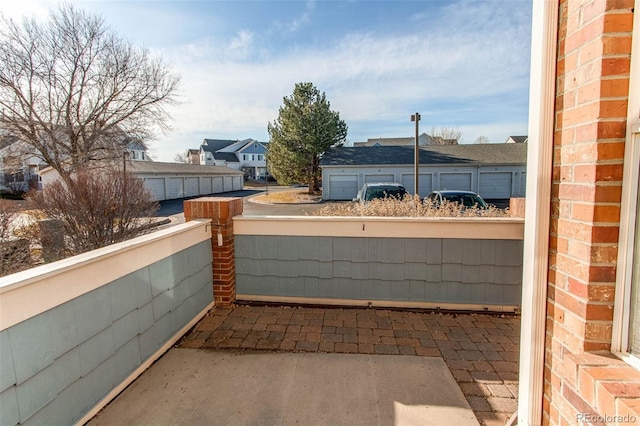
point(409, 206)
point(15, 253)
point(98, 208)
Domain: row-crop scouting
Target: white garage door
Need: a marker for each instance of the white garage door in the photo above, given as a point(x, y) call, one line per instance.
point(495, 185)
point(374, 178)
point(237, 183)
point(343, 187)
point(459, 181)
point(227, 183)
point(156, 186)
point(191, 187)
point(424, 184)
point(205, 185)
point(217, 185)
point(175, 188)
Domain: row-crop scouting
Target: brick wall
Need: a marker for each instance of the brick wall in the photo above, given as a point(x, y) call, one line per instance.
point(594, 46)
point(221, 211)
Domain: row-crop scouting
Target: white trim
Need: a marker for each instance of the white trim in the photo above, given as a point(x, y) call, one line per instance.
point(622, 304)
point(544, 33)
point(508, 228)
point(36, 290)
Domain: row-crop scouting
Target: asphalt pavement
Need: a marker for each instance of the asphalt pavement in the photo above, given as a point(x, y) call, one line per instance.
point(175, 208)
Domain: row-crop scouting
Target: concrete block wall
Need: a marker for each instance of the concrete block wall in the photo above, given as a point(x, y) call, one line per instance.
point(422, 270)
point(57, 365)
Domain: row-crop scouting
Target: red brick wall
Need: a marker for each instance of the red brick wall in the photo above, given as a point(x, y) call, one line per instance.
point(594, 47)
point(221, 211)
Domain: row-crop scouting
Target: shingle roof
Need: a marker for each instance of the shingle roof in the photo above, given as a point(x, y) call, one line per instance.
point(213, 145)
point(179, 168)
point(229, 157)
point(432, 154)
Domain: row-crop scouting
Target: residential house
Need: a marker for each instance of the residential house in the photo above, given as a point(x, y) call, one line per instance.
point(19, 165)
point(517, 139)
point(193, 156)
point(495, 171)
point(247, 155)
point(423, 139)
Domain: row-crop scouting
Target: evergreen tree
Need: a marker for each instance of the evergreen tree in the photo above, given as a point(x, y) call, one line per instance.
point(305, 128)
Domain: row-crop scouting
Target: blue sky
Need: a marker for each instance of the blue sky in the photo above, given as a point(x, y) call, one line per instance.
point(462, 64)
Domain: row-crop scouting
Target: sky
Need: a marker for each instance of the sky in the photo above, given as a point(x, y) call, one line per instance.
point(461, 64)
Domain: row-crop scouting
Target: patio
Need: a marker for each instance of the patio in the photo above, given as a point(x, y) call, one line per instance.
point(481, 351)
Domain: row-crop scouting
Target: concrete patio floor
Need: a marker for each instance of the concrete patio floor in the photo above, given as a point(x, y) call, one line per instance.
point(481, 352)
point(198, 387)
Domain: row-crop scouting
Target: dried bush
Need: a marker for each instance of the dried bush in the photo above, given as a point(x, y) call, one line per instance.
point(15, 252)
point(98, 208)
point(409, 206)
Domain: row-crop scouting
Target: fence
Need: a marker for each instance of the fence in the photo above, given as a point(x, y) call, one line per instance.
point(74, 333)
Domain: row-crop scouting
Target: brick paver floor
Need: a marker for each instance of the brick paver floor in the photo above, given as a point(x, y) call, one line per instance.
point(482, 351)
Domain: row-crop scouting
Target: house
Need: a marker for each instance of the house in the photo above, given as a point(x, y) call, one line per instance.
point(517, 139)
point(423, 139)
point(19, 165)
point(495, 171)
point(247, 155)
point(193, 156)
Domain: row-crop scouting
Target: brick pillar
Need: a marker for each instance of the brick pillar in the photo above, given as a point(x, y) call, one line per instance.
point(221, 211)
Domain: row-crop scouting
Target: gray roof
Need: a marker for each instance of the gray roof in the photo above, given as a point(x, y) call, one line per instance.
point(212, 145)
point(179, 168)
point(493, 154)
point(519, 139)
point(229, 157)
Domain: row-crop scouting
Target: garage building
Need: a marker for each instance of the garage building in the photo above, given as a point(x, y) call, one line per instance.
point(495, 171)
point(177, 180)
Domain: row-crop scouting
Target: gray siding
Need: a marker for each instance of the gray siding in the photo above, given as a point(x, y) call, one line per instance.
point(57, 365)
point(486, 272)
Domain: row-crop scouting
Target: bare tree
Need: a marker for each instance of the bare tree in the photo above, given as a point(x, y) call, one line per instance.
point(445, 136)
point(482, 139)
point(100, 215)
point(181, 157)
point(77, 92)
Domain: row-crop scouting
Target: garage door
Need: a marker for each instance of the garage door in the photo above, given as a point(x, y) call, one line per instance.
point(227, 183)
point(205, 185)
point(175, 188)
point(460, 181)
point(424, 184)
point(156, 186)
point(343, 187)
point(217, 185)
point(191, 187)
point(495, 185)
point(374, 178)
point(237, 183)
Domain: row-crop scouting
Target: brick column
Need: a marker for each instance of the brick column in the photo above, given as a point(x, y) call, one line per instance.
point(221, 211)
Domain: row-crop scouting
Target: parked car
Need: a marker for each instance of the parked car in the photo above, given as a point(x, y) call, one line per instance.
point(467, 198)
point(371, 191)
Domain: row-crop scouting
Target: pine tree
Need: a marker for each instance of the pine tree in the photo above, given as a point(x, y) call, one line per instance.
point(305, 128)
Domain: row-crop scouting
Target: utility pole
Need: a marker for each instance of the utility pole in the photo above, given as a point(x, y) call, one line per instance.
point(416, 160)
